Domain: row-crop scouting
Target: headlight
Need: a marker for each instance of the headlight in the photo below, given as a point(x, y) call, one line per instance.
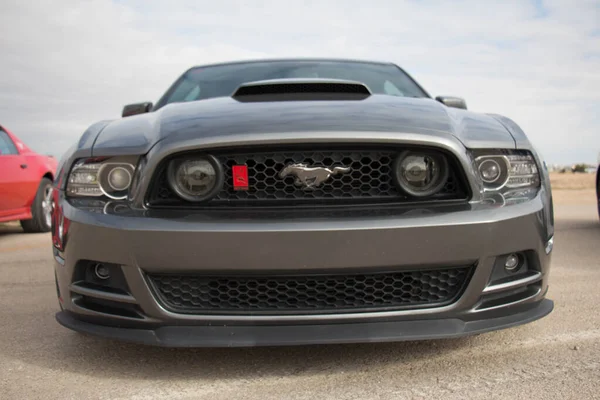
point(507, 172)
point(195, 179)
point(421, 174)
point(508, 178)
point(97, 177)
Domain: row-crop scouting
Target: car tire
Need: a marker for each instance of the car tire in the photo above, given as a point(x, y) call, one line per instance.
point(41, 220)
point(598, 189)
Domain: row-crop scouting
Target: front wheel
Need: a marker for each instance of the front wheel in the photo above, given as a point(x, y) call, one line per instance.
point(598, 189)
point(41, 210)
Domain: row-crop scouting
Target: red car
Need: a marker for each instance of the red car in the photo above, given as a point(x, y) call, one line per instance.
point(25, 184)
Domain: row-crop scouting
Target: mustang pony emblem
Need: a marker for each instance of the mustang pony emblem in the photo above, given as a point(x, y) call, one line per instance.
point(311, 177)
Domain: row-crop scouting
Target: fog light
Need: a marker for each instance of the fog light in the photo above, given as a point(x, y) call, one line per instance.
point(421, 174)
point(195, 179)
point(102, 271)
point(512, 262)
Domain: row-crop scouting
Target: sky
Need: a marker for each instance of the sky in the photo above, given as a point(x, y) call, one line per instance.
point(67, 64)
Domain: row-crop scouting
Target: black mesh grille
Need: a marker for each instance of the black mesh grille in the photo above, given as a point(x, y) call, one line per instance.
point(311, 293)
point(370, 180)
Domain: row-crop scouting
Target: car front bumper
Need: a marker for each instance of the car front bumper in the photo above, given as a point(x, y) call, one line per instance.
point(286, 335)
point(158, 242)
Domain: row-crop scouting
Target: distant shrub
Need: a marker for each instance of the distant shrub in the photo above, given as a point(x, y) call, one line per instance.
point(579, 168)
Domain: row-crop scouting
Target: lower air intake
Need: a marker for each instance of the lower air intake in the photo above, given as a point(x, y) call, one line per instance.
point(310, 293)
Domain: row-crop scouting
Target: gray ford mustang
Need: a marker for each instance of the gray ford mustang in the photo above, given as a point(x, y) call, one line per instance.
point(281, 202)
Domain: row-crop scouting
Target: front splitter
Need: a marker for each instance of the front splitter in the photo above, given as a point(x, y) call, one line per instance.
point(287, 335)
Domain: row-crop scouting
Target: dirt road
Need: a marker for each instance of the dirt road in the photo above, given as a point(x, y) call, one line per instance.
point(557, 357)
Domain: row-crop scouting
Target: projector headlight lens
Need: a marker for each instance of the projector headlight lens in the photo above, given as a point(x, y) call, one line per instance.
point(119, 178)
point(490, 170)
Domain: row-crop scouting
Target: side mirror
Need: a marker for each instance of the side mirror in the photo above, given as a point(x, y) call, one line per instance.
point(450, 101)
point(137, 108)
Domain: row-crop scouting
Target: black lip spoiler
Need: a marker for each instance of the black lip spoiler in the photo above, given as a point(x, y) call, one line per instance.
point(301, 89)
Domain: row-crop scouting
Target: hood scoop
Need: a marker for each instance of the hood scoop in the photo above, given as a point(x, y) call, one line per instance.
point(301, 89)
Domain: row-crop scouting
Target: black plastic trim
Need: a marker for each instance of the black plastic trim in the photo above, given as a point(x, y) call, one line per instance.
point(286, 335)
point(159, 296)
point(280, 91)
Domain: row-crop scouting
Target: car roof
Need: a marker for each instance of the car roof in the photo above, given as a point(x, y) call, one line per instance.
point(299, 59)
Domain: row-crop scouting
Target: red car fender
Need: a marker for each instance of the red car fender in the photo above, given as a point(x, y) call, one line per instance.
point(36, 167)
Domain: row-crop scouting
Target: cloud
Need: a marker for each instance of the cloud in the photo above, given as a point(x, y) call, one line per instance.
point(67, 64)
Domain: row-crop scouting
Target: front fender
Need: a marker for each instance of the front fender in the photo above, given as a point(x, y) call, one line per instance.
point(83, 148)
point(521, 140)
point(523, 143)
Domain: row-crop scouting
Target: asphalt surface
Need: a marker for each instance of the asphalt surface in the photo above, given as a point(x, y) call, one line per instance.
point(557, 357)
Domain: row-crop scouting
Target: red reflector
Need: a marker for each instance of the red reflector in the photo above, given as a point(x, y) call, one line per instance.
point(240, 177)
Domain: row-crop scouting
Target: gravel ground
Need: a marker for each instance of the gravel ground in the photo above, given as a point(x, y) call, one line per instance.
point(557, 357)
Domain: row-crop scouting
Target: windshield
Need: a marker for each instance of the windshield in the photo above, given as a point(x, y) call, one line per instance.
point(222, 80)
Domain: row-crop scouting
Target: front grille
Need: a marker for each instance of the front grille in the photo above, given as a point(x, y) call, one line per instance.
point(370, 180)
point(309, 293)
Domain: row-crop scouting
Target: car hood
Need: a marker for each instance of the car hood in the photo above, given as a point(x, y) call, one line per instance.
point(226, 116)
